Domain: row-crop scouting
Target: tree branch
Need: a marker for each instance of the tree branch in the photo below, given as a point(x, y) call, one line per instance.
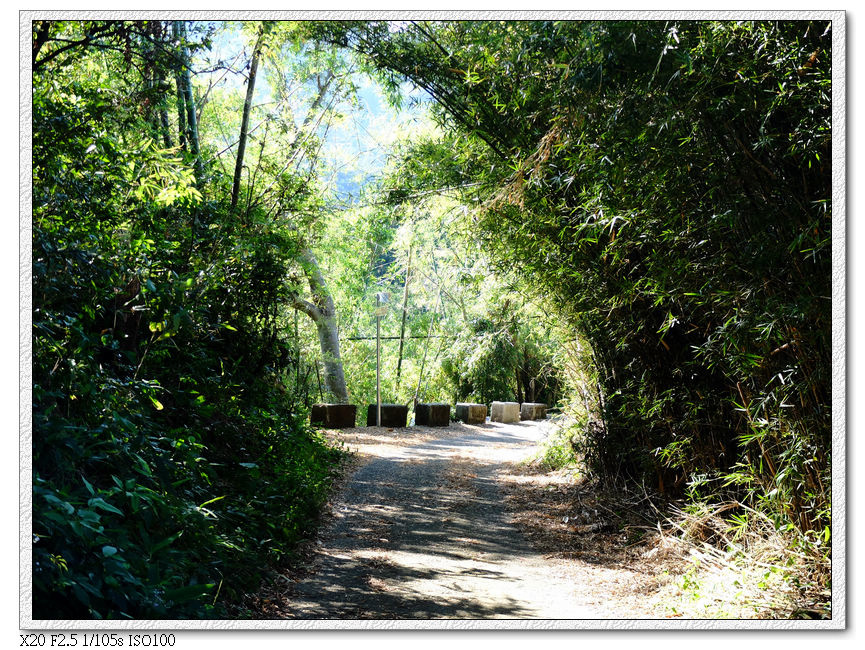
point(306, 307)
point(88, 40)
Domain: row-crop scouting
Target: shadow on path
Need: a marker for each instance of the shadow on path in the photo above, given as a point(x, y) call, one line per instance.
point(425, 535)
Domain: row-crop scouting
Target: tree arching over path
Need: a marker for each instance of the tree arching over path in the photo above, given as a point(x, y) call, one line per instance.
point(662, 188)
point(668, 185)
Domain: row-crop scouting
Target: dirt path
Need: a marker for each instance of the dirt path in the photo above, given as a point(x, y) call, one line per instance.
point(421, 531)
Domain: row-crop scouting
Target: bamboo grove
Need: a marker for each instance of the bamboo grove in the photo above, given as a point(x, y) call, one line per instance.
point(666, 186)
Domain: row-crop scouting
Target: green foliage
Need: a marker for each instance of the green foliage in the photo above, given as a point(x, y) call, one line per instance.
point(502, 356)
point(170, 462)
point(481, 362)
point(560, 449)
point(667, 185)
point(659, 191)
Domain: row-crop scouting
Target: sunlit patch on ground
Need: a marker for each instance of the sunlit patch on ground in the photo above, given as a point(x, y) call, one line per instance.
point(419, 532)
point(426, 527)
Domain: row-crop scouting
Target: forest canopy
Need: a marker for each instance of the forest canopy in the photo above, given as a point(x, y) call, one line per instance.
point(629, 221)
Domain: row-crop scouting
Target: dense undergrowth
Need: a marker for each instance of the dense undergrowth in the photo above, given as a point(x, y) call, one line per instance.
point(170, 463)
point(710, 558)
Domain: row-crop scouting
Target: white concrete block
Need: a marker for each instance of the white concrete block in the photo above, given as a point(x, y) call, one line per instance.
point(505, 412)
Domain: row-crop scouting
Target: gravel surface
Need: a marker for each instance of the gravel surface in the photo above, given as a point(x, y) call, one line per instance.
point(420, 531)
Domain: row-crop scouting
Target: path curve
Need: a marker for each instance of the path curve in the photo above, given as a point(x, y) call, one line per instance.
point(421, 532)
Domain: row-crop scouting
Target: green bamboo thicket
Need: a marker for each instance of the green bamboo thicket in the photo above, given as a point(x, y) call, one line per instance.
point(666, 187)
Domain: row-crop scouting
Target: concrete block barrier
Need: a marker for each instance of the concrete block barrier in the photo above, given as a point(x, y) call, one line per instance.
point(433, 415)
point(505, 412)
point(392, 415)
point(533, 411)
point(471, 413)
point(333, 416)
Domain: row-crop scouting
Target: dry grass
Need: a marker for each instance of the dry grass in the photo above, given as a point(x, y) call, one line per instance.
point(666, 564)
point(461, 473)
point(756, 574)
point(595, 535)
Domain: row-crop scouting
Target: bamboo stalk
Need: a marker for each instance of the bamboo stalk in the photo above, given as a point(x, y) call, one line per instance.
point(402, 326)
point(426, 346)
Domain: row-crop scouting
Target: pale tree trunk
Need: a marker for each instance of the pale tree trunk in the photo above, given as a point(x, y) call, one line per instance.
point(323, 85)
point(323, 313)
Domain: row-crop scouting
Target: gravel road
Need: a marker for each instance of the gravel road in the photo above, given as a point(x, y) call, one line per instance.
point(420, 532)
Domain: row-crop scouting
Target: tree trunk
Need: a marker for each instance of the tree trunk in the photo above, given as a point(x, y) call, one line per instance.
point(181, 110)
point(191, 119)
point(164, 125)
point(323, 313)
point(328, 338)
point(187, 96)
point(244, 124)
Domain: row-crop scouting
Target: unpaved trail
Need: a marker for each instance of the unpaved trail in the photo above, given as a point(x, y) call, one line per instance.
point(420, 532)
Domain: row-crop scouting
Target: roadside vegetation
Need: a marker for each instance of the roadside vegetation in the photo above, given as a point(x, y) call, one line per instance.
point(627, 220)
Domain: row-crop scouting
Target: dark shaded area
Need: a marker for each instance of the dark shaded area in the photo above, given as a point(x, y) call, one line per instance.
point(333, 416)
point(433, 415)
point(168, 446)
point(392, 415)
